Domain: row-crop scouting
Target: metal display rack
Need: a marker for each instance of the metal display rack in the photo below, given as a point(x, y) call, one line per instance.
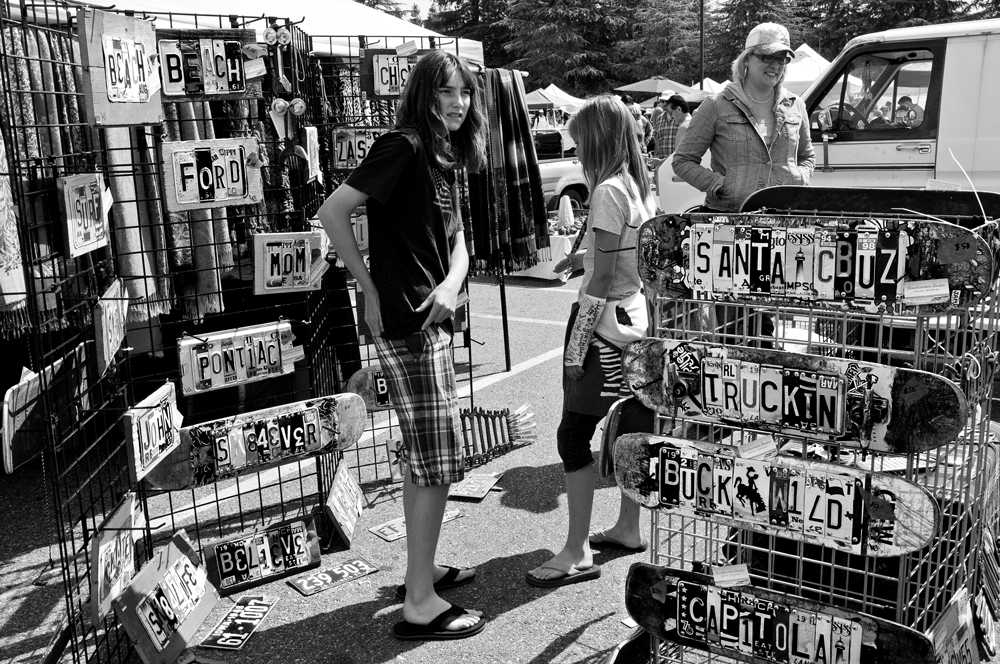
point(962, 475)
point(193, 273)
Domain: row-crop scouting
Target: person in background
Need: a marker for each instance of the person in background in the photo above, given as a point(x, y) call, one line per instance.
point(610, 312)
point(681, 113)
point(418, 265)
point(664, 129)
point(757, 131)
point(643, 128)
point(908, 113)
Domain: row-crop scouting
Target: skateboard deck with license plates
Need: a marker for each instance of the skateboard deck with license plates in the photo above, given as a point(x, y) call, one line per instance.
point(852, 403)
point(890, 266)
point(836, 506)
point(225, 447)
point(759, 626)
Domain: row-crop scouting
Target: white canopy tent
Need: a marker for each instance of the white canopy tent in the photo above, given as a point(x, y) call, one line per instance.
point(711, 85)
point(807, 66)
point(563, 100)
point(335, 25)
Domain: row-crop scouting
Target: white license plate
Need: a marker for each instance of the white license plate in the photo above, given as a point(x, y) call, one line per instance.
point(90, 228)
point(390, 72)
point(210, 175)
point(126, 69)
point(194, 67)
point(352, 146)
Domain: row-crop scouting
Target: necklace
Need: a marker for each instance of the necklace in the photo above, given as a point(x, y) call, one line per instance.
point(755, 100)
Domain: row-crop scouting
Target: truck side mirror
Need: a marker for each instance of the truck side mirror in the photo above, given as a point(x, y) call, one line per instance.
point(824, 120)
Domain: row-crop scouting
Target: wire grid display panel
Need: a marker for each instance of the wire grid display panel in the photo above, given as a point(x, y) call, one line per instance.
point(961, 475)
point(76, 419)
point(350, 116)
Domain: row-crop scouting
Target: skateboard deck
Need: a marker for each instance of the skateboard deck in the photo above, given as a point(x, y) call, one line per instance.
point(836, 506)
point(260, 439)
point(755, 625)
point(856, 404)
point(371, 384)
point(890, 266)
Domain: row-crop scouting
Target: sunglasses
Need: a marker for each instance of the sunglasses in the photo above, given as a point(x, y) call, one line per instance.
point(775, 58)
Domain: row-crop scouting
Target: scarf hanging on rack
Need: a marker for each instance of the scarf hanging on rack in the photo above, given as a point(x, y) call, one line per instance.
point(514, 186)
point(13, 290)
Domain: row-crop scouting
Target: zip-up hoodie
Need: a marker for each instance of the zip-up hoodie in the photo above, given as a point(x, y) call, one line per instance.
point(742, 162)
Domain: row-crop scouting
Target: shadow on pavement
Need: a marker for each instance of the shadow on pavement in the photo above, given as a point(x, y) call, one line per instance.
point(570, 638)
point(533, 488)
point(362, 632)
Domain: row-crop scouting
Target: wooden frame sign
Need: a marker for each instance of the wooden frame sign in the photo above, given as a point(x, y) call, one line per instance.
point(237, 356)
point(86, 209)
point(121, 78)
point(167, 602)
point(110, 315)
point(112, 552)
point(288, 262)
point(211, 173)
point(344, 503)
point(199, 64)
point(153, 430)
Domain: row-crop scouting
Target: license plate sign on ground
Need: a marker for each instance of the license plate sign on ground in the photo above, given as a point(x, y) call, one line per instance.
point(319, 581)
point(243, 619)
point(282, 549)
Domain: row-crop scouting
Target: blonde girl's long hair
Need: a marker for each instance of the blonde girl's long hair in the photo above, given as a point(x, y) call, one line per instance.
point(607, 145)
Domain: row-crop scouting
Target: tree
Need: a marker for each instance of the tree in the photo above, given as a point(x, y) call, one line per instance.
point(414, 15)
point(388, 6)
point(572, 43)
point(666, 41)
point(481, 20)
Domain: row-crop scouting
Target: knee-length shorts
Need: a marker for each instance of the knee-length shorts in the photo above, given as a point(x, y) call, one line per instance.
point(420, 373)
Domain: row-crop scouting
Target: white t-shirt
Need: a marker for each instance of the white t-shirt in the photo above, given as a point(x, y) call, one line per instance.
point(617, 209)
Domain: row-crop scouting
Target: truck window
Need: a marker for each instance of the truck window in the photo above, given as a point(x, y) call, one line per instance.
point(878, 93)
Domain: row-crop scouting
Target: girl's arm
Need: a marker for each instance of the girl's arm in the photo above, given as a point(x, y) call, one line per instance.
point(335, 214)
point(442, 301)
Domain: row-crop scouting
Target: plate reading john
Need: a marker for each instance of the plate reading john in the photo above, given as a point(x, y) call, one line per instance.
point(153, 430)
point(211, 173)
point(243, 619)
point(285, 548)
point(319, 581)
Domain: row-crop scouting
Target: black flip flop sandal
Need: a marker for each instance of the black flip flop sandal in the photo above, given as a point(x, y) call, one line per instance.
point(449, 580)
point(436, 630)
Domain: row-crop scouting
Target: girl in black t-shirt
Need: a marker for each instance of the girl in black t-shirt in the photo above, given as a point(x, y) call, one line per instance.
point(418, 261)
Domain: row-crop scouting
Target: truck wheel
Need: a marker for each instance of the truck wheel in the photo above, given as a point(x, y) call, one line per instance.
point(576, 198)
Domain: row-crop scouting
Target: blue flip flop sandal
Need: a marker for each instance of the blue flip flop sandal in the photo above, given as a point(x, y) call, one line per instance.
point(437, 629)
point(449, 580)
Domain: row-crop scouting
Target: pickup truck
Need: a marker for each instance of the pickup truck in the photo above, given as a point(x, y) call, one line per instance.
point(867, 135)
point(561, 171)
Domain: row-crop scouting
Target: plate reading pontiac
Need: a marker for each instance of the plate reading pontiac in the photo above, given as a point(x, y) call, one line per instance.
point(226, 358)
point(211, 173)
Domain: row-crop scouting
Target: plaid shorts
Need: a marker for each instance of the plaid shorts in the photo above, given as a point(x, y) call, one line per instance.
point(422, 389)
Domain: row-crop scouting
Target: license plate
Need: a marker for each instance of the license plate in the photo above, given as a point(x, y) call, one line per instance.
point(192, 67)
point(233, 357)
point(151, 619)
point(86, 215)
point(126, 70)
point(319, 581)
point(284, 548)
point(152, 429)
point(237, 626)
point(211, 173)
point(352, 145)
point(391, 72)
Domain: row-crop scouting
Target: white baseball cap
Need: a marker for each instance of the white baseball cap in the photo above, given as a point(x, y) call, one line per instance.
point(769, 38)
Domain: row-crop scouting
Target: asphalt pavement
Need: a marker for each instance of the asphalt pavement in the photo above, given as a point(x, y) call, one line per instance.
point(512, 530)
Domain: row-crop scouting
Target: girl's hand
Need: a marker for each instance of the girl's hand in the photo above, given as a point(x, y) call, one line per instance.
point(442, 303)
point(373, 313)
point(569, 263)
point(573, 372)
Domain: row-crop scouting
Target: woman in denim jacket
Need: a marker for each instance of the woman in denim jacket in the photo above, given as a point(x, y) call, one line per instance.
point(757, 130)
